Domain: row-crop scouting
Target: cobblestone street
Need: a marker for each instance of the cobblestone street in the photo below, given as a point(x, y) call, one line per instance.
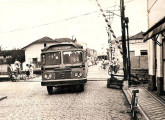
point(30, 101)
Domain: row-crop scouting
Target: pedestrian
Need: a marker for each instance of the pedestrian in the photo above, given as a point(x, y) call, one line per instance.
point(103, 65)
point(17, 62)
point(10, 70)
point(118, 65)
point(21, 74)
point(27, 71)
point(17, 68)
point(31, 71)
point(115, 66)
point(17, 71)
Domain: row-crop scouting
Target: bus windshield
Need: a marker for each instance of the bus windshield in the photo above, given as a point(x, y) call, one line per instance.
point(52, 58)
point(72, 57)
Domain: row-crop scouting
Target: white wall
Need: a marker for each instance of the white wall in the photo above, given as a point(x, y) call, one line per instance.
point(137, 47)
point(33, 51)
point(155, 11)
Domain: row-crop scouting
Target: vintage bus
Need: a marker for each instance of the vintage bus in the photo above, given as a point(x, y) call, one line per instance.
point(64, 64)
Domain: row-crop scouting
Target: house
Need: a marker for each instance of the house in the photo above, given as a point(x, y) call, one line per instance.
point(155, 35)
point(138, 54)
point(33, 50)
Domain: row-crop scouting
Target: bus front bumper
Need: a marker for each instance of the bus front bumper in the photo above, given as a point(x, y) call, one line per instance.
point(62, 82)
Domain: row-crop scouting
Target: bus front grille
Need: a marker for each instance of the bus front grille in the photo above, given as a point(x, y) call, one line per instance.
point(63, 75)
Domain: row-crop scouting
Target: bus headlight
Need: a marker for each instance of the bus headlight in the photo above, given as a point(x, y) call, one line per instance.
point(45, 76)
point(48, 76)
point(78, 74)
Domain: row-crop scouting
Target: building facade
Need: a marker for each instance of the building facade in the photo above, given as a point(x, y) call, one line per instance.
point(155, 35)
point(138, 51)
point(33, 51)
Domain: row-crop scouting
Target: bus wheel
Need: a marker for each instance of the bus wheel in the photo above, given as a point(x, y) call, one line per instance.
point(82, 87)
point(50, 90)
point(108, 83)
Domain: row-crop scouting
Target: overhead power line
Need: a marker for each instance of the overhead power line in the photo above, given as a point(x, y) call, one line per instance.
point(129, 1)
point(46, 24)
point(152, 6)
point(41, 25)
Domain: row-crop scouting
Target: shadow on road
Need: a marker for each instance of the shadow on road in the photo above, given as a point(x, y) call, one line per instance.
point(114, 87)
point(66, 90)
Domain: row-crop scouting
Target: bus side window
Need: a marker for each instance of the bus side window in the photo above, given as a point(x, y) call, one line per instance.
point(80, 56)
point(73, 57)
point(56, 58)
point(66, 58)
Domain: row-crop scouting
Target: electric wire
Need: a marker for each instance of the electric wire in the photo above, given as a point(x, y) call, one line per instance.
point(152, 6)
point(46, 24)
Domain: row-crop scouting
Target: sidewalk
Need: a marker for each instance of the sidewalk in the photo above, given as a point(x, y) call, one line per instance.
point(150, 105)
point(34, 79)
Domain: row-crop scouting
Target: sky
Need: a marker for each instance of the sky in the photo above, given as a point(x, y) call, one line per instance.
point(25, 21)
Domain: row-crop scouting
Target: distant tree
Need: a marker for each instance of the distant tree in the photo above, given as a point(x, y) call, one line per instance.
point(19, 55)
point(11, 55)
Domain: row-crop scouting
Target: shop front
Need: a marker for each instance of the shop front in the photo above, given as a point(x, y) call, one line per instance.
point(155, 36)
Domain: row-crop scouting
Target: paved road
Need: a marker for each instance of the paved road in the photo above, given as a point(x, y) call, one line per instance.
point(96, 73)
point(30, 101)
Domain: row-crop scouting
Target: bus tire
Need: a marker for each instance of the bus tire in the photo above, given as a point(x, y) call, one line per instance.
point(108, 83)
point(108, 86)
point(82, 88)
point(50, 90)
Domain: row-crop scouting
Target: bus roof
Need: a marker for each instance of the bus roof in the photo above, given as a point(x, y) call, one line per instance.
point(75, 45)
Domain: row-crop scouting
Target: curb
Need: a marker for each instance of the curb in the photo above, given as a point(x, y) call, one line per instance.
point(140, 108)
point(2, 97)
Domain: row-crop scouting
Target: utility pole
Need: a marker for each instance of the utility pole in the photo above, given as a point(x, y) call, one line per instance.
point(122, 8)
point(110, 15)
point(109, 34)
point(128, 60)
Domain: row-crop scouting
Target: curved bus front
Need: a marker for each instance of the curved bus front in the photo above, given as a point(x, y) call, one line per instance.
point(64, 67)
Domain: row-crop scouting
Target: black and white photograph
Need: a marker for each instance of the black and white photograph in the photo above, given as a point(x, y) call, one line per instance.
point(82, 60)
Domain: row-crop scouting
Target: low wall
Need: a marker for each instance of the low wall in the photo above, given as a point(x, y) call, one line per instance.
point(141, 73)
point(139, 62)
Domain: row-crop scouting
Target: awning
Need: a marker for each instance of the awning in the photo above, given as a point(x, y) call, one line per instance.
point(156, 29)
